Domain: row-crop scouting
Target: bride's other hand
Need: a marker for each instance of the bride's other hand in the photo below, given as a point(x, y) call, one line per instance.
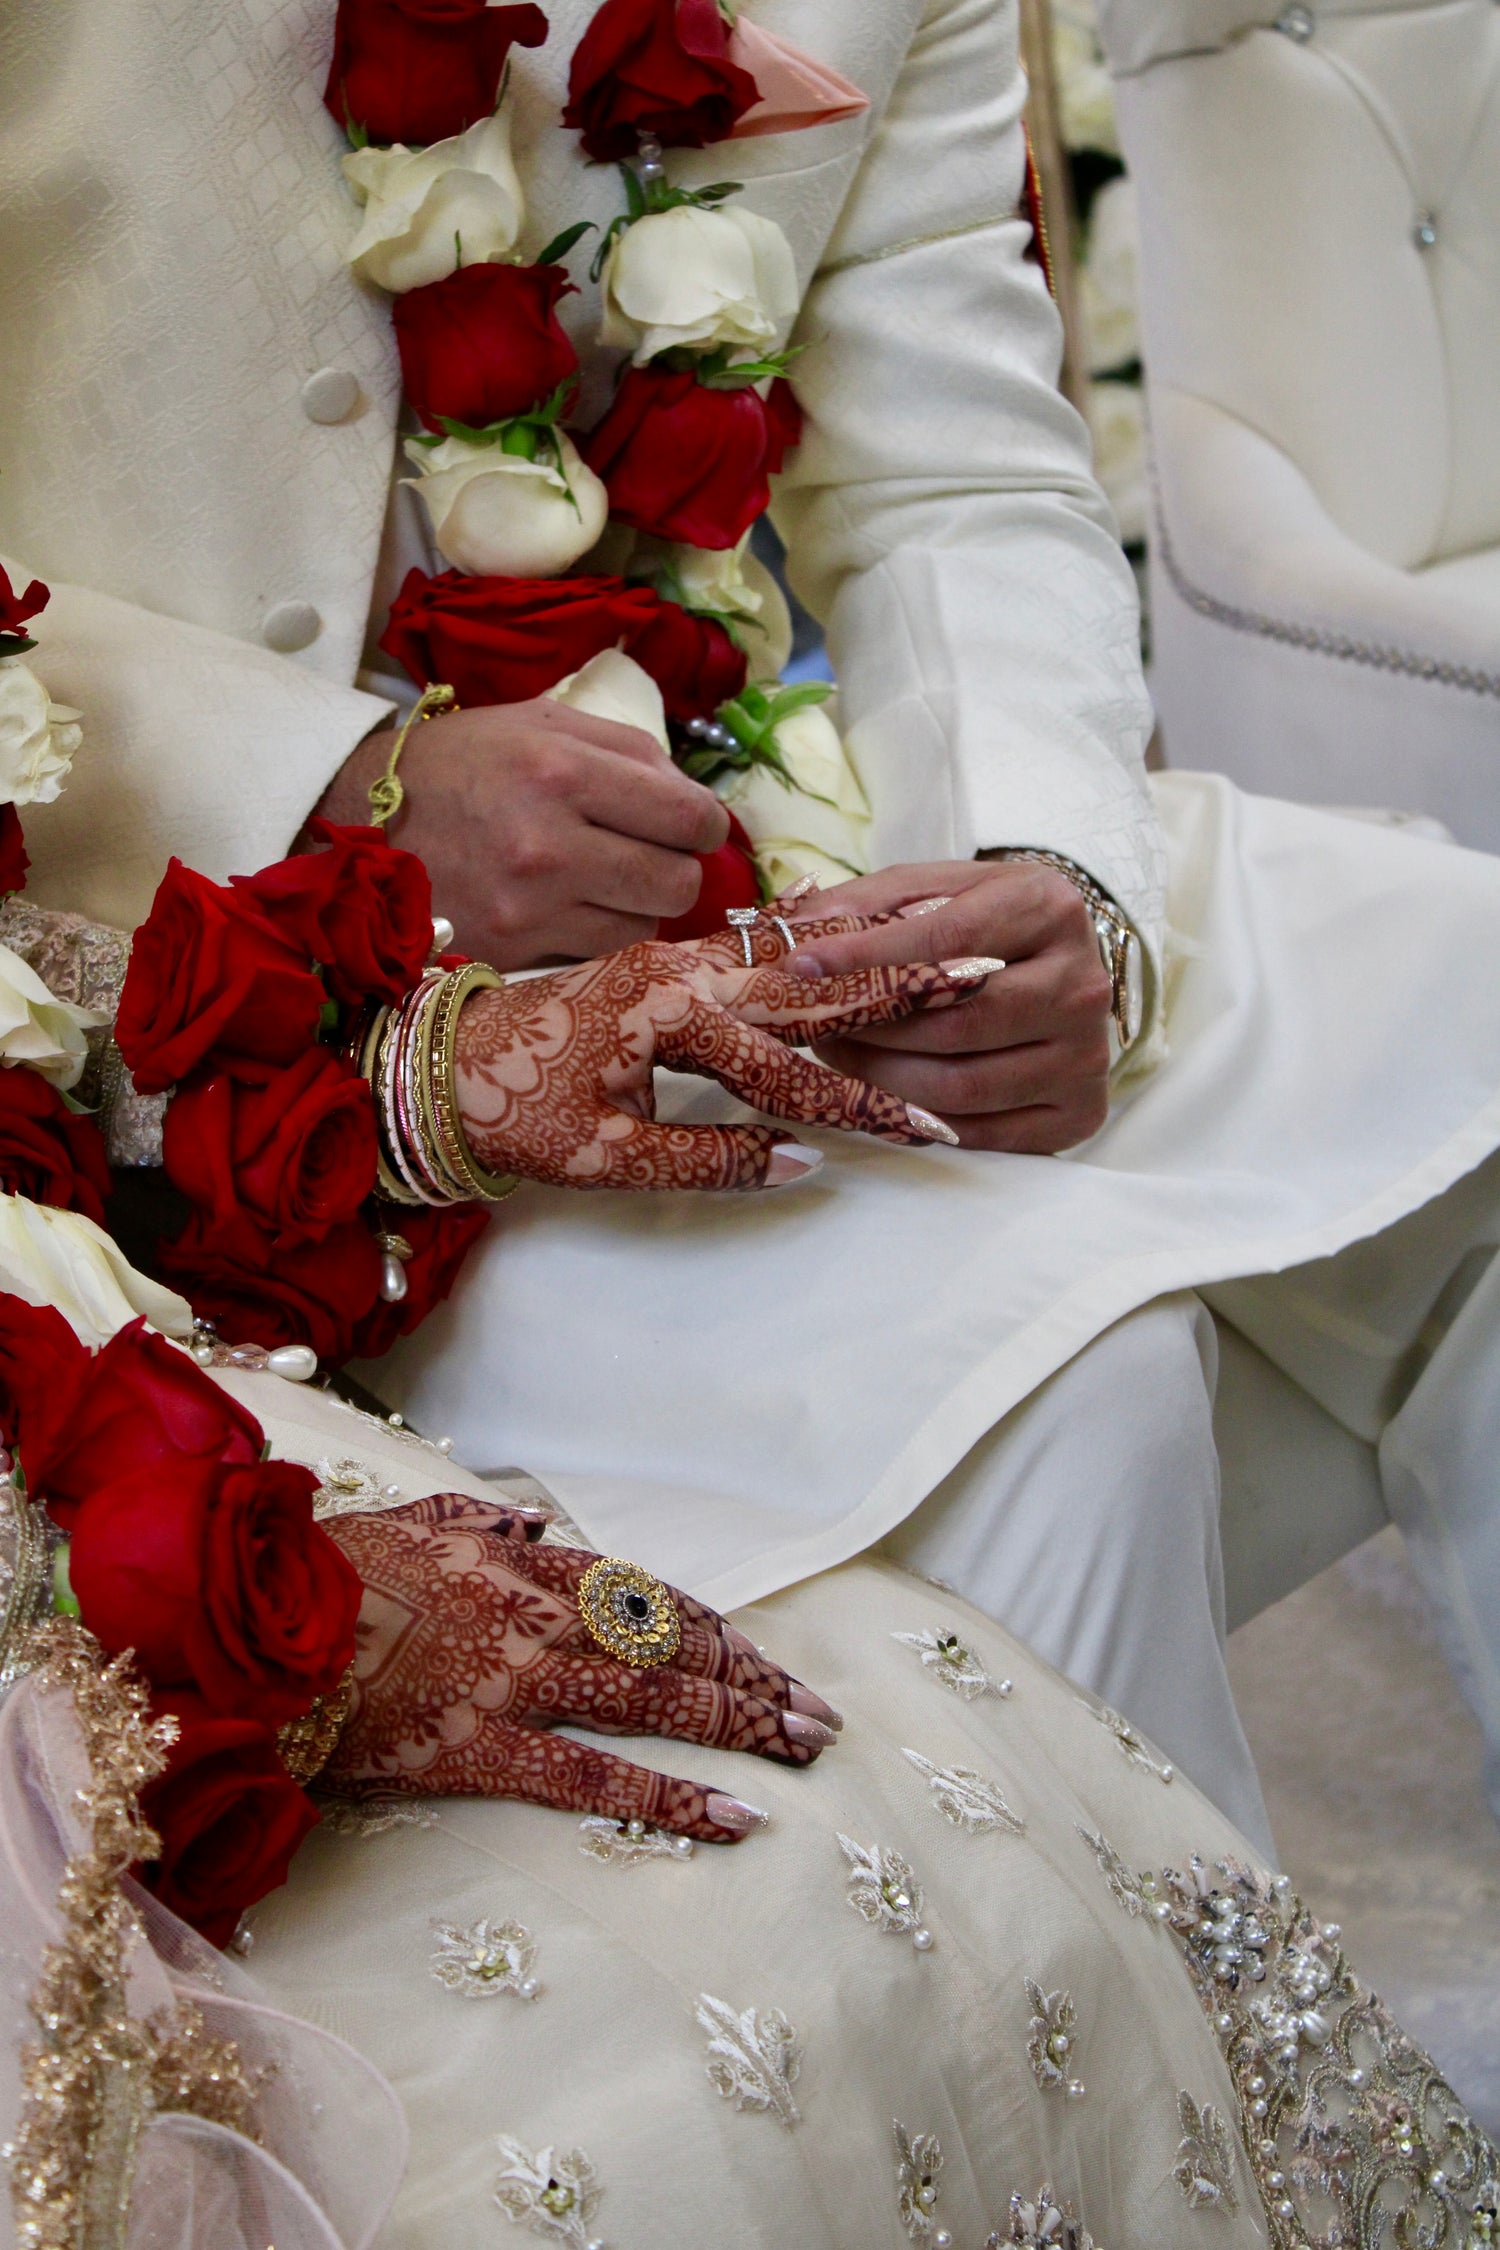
point(1023, 1063)
point(471, 1648)
point(554, 1074)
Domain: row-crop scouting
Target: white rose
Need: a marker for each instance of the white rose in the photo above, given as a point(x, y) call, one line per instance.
point(497, 513)
point(62, 1259)
point(734, 582)
point(418, 200)
point(37, 1030)
point(699, 279)
point(37, 738)
point(1085, 96)
point(613, 686)
point(826, 813)
point(1109, 279)
point(1118, 422)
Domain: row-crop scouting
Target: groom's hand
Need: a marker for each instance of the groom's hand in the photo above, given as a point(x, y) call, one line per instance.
point(548, 835)
point(1022, 1064)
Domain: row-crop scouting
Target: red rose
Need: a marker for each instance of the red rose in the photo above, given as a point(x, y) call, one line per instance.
point(684, 461)
point(229, 1816)
point(483, 343)
point(729, 879)
point(255, 1294)
point(440, 1241)
point(142, 1403)
point(42, 1366)
point(294, 1148)
point(361, 908)
point(209, 975)
point(420, 70)
point(47, 1151)
point(655, 66)
point(505, 640)
point(220, 1581)
point(691, 658)
point(14, 859)
point(14, 611)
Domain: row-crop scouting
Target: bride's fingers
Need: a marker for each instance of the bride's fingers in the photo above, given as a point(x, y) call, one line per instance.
point(769, 1076)
point(769, 942)
point(642, 1154)
point(609, 1698)
point(793, 1008)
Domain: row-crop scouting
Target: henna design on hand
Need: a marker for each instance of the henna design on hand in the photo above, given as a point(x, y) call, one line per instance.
point(470, 1647)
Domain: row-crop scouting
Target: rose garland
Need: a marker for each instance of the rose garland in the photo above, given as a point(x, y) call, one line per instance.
point(174, 1538)
point(700, 293)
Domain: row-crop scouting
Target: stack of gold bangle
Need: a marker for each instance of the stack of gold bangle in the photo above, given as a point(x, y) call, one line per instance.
point(407, 1054)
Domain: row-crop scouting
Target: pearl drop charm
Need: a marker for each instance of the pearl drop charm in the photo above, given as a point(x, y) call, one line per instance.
point(392, 1278)
point(294, 1363)
point(442, 933)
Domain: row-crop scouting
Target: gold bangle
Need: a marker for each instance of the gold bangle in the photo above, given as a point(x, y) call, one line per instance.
point(386, 795)
point(458, 1157)
point(305, 1745)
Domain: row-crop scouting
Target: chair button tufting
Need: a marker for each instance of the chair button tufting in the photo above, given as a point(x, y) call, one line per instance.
point(290, 626)
point(1296, 22)
point(331, 395)
point(1424, 233)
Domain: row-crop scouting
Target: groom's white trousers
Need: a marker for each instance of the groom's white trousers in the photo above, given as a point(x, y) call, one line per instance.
point(1088, 1519)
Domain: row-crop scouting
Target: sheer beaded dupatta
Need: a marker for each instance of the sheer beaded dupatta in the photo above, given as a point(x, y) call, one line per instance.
point(149, 2099)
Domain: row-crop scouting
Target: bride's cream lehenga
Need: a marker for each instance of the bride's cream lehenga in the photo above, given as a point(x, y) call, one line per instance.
point(993, 1973)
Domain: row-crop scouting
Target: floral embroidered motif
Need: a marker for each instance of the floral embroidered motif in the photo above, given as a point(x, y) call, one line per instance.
point(753, 2059)
point(918, 2164)
point(1135, 1746)
point(629, 1843)
point(884, 1889)
point(952, 1665)
point(1054, 2032)
point(1205, 2157)
point(1042, 2222)
point(346, 1487)
point(485, 1959)
point(554, 2192)
point(1353, 2137)
point(372, 1816)
point(966, 1798)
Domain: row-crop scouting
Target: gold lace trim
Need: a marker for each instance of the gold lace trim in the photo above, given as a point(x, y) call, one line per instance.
point(96, 2074)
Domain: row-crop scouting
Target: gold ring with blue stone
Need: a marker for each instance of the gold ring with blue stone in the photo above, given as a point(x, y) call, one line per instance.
point(629, 1613)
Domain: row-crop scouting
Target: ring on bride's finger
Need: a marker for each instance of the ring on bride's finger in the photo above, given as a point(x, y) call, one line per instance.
point(628, 1612)
point(744, 919)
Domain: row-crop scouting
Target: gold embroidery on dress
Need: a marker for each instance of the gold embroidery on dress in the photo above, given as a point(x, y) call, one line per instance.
point(96, 2074)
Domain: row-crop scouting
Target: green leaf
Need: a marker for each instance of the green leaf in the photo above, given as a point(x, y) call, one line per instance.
point(558, 248)
point(522, 439)
point(635, 194)
point(15, 644)
point(328, 1016)
point(718, 372)
point(458, 251)
point(64, 1600)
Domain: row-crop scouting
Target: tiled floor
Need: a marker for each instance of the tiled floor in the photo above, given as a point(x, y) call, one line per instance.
point(1371, 1768)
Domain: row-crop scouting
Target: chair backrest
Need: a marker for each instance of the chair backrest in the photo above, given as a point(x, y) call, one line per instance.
point(1320, 220)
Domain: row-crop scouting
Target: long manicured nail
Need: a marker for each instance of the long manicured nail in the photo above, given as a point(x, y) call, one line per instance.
point(732, 1813)
point(803, 1699)
point(974, 965)
point(811, 1732)
point(806, 965)
point(931, 1128)
point(791, 1161)
point(925, 906)
point(804, 885)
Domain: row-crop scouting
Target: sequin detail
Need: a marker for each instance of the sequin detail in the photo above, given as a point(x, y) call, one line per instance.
point(1042, 2222)
point(966, 1797)
point(630, 1843)
point(347, 1487)
point(753, 2059)
point(1053, 2036)
point(919, 2163)
point(953, 1665)
point(555, 2191)
point(1353, 2136)
point(1137, 1750)
point(883, 1888)
point(1205, 2157)
point(486, 1958)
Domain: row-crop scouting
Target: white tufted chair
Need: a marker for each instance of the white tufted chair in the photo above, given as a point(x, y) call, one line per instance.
point(1319, 195)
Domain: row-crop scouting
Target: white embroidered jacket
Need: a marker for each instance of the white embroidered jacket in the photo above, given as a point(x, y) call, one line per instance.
point(173, 279)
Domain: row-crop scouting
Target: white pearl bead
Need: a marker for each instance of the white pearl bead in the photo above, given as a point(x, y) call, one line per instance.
point(392, 1278)
point(528, 1988)
point(1006, 1687)
point(204, 1354)
point(396, 1421)
point(445, 1445)
point(294, 1363)
point(922, 1940)
point(392, 1491)
point(442, 933)
point(942, 2240)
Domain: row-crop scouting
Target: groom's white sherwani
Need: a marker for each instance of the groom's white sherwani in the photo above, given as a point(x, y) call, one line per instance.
point(743, 1396)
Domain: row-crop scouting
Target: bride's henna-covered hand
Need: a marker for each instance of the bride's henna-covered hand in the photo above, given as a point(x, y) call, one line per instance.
point(471, 1648)
point(554, 1074)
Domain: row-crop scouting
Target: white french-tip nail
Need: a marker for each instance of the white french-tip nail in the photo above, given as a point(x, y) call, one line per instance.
point(802, 888)
point(791, 1161)
point(730, 1812)
point(925, 906)
point(931, 1128)
point(972, 965)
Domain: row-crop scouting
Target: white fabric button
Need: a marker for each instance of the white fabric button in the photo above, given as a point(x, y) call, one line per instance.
point(290, 626)
point(331, 395)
